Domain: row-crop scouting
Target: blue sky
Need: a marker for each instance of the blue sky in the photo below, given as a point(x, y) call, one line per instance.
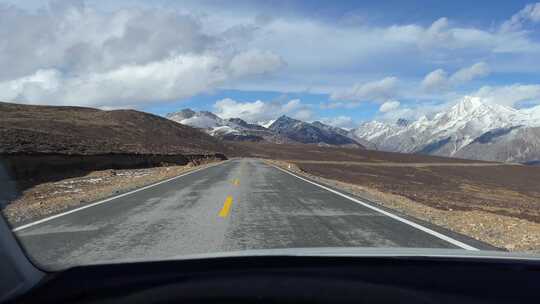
point(342, 62)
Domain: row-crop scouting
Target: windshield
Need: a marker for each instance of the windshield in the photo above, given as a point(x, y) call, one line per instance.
point(150, 131)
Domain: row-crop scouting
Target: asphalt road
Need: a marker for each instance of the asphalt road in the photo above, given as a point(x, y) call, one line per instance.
point(237, 205)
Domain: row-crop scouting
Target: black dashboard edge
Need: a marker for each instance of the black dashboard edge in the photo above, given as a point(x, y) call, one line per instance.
point(296, 279)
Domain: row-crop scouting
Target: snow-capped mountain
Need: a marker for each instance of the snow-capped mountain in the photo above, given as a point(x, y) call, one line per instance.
point(214, 125)
point(513, 144)
point(202, 119)
point(266, 124)
point(373, 132)
point(281, 130)
point(312, 133)
point(464, 130)
point(329, 128)
point(470, 129)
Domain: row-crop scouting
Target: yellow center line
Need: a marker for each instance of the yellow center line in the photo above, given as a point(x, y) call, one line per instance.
point(226, 207)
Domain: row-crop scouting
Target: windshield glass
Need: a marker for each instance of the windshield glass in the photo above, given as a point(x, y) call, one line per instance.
point(150, 131)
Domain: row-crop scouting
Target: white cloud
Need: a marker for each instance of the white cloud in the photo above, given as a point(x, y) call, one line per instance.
point(439, 80)
point(370, 47)
point(345, 122)
point(291, 105)
point(371, 50)
point(71, 36)
point(378, 91)
point(259, 111)
point(437, 34)
point(97, 57)
point(534, 12)
point(255, 62)
point(510, 95)
point(42, 80)
point(173, 78)
point(436, 80)
point(70, 53)
point(480, 69)
point(531, 12)
point(412, 112)
point(389, 106)
point(366, 51)
point(303, 114)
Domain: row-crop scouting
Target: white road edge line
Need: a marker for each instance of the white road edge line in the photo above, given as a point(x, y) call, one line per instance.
point(398, 218)
point(110, 198)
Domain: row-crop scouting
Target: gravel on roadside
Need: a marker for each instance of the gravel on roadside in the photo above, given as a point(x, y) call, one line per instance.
point(54, 197)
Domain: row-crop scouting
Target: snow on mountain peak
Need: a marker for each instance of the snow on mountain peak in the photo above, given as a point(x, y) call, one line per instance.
point(533, 114)
point(467, 108)
point(449, 131)
point(182, 114)
point(472, 115)
point(372, 129)
point(266, 124)
point(467, 104)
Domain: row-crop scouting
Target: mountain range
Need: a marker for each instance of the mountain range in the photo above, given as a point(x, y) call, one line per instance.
point(282, 130)
point(471, 129)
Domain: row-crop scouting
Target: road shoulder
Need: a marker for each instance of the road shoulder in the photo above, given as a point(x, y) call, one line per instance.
point(47, 201)
point(378, 200)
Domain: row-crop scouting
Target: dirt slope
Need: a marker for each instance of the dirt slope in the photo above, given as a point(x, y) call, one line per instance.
point(77, 130)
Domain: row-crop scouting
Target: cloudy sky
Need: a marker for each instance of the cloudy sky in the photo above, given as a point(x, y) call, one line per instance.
point(340, 62)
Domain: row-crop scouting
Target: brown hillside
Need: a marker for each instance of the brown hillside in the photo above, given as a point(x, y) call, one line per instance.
point(33, 129)
point(309, 152)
